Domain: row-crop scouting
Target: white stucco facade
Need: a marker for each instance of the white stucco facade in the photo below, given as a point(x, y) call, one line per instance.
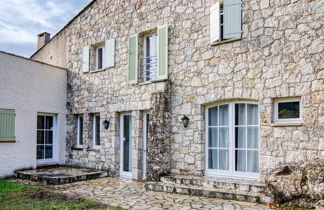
point(30, 88)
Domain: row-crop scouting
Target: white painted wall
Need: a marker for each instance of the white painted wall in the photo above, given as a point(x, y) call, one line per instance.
point(30, 87)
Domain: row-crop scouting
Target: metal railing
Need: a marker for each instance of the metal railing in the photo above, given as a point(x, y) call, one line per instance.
point(148, 68)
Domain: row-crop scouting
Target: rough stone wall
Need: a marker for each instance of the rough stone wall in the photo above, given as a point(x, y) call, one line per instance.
point(280, 55)
point(159, 144)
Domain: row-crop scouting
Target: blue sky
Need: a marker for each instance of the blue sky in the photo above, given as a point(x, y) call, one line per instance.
point(22, 20)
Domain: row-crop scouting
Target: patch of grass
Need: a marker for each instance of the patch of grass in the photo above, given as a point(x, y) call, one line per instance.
point(6, 187)
point(21, 197)
point(289, 206)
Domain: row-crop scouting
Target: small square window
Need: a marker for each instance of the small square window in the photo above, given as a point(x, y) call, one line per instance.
point(287, 111)
point(100, 51)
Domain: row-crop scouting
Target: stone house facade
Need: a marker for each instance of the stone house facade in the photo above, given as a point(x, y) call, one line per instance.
point(249, 78)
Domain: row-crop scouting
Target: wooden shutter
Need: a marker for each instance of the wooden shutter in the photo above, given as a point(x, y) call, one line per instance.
point(133, 59)
point(232, 19)
point(85, 59)
point(110, 53)
point(215, 22)
point(163, 52)
point(7, 125)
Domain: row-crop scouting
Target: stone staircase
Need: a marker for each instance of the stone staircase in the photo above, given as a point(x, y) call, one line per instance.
point(232, 189)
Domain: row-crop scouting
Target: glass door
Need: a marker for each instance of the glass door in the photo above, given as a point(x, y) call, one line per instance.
point(126, 146)
point(146, 118)
point(232, 144)
point(45, 139)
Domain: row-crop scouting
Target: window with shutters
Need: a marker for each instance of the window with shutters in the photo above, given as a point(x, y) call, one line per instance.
point(225, 21)
point(99, 56)
point(7, 125)
point(148, 55)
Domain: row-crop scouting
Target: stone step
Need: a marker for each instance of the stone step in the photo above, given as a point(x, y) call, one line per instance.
point(216, 183)
point(60, 175)
point(208, 192)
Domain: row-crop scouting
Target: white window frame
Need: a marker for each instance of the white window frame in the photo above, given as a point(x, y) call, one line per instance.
point(289, 120)
point(94, 131)
point(78, 132)
point(54, 144)
point(231, 173)
point(103, 57)
point(144, 56)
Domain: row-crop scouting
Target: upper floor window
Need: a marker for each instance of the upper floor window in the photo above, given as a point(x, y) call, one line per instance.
point(225, 20)
point(100, 54)
point(287, 110)
point(7, 125)
point(150, 60)
point(148, 56)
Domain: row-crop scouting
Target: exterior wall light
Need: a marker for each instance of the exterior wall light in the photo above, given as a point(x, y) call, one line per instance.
point(185, 121)
point(106, 124)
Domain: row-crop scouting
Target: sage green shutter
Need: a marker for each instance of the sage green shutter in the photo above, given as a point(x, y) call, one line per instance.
point(215, 22)
point(132, 59)
point(110, 53)
point(7, 125)
point(232, 19)
point(163, 52)
point(85, 59)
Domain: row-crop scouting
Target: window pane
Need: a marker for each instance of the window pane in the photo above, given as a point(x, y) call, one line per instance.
point(48, 152)
point(223, 137)
point(240, 137)
point(49, 122)
point(40, 137)
point(223, 159)
point(240, 114)
point(97, 130)
point(252, 161)
point(40, 122)
point(252, 114)
point(40, 152)
point(288, 110)
point(212, 159)
point(48, 137)
point(99, 58)
point(240, 157)
point(80, 130)
point(253, 137)
point(212, 137)
point(223, 115)
point(212, 116)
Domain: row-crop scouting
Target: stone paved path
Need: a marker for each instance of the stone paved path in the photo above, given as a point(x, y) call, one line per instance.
point(132, 195)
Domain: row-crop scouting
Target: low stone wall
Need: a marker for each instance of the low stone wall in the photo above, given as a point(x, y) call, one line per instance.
point(300, 183)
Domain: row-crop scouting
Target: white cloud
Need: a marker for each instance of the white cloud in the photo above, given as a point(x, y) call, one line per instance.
point(22, 20)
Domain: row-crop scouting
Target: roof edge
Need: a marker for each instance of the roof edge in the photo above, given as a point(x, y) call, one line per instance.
point(65, 26)
point(29, 59)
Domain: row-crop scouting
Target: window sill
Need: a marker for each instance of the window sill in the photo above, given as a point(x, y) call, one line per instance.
point(13, 141)
point(98, 70)
point(96, 149)
point(278, 124)
point(224, 41)
point(151, 82)
point(77, 148)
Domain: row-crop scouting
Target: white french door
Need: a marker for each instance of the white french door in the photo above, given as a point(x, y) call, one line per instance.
point(126, 145)
point(46, 135)
point(232, 140)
